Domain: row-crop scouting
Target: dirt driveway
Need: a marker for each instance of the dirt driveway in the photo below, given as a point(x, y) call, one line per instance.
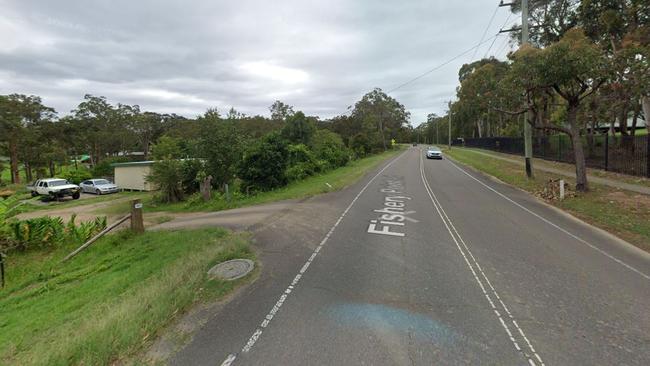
point(84, 212)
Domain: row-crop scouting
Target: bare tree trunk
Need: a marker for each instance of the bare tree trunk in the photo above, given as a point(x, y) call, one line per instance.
point(635, 118)
point(206, 188)
point(622, 121)
point(28, 172)
point(578, 150)
point(13, 156)
point(145, 147)
point(645, 103)
point(479, 129)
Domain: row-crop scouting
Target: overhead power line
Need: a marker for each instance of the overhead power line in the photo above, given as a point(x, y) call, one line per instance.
point(504, 24)
point(502, 47)
point(442, 64)
point(486, 29)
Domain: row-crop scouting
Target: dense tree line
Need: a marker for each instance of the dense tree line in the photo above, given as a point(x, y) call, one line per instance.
point(587, 66)
point(256, 151)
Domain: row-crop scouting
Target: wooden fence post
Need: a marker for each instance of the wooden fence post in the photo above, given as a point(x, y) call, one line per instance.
point(137, 224)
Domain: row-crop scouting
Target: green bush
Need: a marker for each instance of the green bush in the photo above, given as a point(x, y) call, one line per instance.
point(48, 231)
point(300, 171)
point(222, 145)
point(6, 206)
point(77, 176)
point(264, 164)
point(167, 171)
point(329, 147)
point(360, 144)
point(190, 169)
point(302, 163)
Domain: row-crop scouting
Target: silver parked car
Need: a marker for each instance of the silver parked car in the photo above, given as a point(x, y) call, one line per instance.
point(98, 186)
point(434, 153)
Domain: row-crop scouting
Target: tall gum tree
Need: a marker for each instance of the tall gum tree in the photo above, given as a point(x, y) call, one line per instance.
point(17, 113)
point(574, 68)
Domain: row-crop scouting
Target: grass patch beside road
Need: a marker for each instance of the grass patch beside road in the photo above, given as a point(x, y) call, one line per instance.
point(622, 213)
point(570, 168)
point(338, 178)
point(110, 300)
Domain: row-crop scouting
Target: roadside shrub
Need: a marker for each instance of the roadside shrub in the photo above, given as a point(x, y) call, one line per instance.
point(360, 144)
point(302, 163)
point(329, 147)
point(190, 169)
point(6, 206)
point(299, 171)
point(264, 164)
point(48, 231)
point(167, 171)
point(167, 175)
point(77, 176)
point(222, 145)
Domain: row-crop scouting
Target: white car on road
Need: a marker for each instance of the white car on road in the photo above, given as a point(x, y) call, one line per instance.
point(434, 153)
point(98, 186)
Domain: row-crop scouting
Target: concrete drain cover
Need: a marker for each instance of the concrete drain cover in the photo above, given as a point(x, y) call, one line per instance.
point(232, 269)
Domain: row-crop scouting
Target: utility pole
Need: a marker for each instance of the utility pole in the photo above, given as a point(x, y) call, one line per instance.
point(381, 127)
point(449, 125)
point(528, 130)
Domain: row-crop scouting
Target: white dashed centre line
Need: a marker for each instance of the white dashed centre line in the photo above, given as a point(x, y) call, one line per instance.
point(476, 268)
point(267, 319)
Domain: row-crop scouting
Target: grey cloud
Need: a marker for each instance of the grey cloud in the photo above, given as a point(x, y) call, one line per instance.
point(177, 56)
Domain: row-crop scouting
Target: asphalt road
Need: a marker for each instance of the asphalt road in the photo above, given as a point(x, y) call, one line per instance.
point(428, 263)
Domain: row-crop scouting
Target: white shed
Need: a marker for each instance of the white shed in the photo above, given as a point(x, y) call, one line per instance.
point(133, 175)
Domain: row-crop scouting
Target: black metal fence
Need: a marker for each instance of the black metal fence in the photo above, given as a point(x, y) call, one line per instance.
point(621, 154)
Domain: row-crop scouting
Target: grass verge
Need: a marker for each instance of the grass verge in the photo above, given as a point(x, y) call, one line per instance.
point(336, 179)
point(622, 213)
point(109, 301)
point(570, 168)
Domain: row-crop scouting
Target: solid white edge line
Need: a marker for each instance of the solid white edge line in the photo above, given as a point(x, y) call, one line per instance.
point(647, 277)
point(447, 222)
point(285, 294)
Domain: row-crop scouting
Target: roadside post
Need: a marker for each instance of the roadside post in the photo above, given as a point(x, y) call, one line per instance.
point(561, 189)
point(137, 223)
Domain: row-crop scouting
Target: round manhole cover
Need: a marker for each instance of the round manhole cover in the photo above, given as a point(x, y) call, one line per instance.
point(232, 269)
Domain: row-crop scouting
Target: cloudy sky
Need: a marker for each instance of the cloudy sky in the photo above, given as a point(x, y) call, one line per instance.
point(184, 56)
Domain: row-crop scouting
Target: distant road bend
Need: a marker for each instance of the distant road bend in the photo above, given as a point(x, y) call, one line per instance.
point(426, 262)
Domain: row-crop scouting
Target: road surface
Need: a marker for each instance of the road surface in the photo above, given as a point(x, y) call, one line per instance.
point(428, 263)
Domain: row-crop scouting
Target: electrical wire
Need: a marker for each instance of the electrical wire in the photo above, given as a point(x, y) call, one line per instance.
point(486, 29)
point(503, 46)
point(442, 64)
point(504, 24)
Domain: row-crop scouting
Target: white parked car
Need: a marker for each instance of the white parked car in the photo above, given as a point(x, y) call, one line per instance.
point(55, 188)
point(98, 186)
